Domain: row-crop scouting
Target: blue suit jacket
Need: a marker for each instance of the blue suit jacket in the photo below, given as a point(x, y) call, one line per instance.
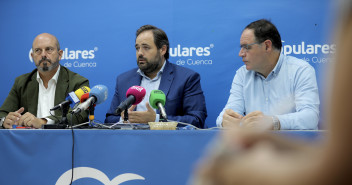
point(185, 100)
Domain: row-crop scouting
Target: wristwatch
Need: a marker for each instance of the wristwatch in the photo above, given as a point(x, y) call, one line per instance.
point(276, 123)
point(2, 121)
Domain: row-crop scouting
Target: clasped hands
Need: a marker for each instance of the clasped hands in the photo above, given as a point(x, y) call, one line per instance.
point(27, 119)
point(254, 119)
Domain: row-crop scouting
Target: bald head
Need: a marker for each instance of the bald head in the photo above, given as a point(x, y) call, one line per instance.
point(46, 37)
point(46, 53)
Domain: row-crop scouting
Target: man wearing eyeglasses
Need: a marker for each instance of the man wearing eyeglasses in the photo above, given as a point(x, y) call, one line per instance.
point(271, 91)
point(34, 94)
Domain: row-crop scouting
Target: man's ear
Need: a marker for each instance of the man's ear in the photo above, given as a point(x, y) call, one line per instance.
point(268, 45)
point(60, 54)
point(163, 50)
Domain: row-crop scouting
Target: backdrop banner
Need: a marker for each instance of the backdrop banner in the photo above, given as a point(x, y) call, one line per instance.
point(98, 38)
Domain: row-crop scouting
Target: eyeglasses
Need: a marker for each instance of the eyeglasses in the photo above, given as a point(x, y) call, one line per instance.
point(247, 47)
point(48, 50)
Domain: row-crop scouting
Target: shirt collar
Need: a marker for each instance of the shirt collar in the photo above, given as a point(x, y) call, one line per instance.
point(277, 68)
point(140, 72)
point(54, 78)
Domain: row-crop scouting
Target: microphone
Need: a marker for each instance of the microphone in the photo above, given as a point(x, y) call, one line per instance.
point(84, 97)
point(97, 95)
point(72, 98)
point(135, 95)
point(157, 101)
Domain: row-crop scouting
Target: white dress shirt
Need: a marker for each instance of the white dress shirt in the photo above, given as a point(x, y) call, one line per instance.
point(46, 97)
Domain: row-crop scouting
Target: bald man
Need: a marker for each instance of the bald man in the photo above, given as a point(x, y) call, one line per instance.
point(35, 93)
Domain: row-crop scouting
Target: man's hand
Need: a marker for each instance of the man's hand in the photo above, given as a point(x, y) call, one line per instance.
point(231, 118)
point(243, 156)
point(12, 118)
point(129, 110)
point(29, 120)
point(257, 120)
point(140, 116)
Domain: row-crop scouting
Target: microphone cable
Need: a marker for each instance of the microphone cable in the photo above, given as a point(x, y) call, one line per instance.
point(196, 128)
point(95, 124)
point(73, 145)
point(54, 116)
point(186, 124)
point(100, 125)
point(73, 150)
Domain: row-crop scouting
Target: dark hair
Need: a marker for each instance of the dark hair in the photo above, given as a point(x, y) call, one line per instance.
point(265, 30)
point(160, 37)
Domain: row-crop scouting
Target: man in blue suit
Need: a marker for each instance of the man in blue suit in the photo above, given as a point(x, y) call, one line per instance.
point(185, 101)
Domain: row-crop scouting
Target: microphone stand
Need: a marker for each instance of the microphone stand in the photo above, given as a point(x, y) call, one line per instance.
point(91, 115)
point(63, 124)
point(162, 119)
point(125, 118)
point(64, 120)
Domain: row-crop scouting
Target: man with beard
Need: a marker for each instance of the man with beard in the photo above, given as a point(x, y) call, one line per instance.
point(35, 93)
point(185, 101)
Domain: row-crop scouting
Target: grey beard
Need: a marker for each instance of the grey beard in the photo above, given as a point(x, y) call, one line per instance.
point(45, 67)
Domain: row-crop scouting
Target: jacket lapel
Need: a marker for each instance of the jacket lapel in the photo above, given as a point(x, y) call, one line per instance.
point(61, 88)
point(135, 80)
point(167, 78)
point(32, 95)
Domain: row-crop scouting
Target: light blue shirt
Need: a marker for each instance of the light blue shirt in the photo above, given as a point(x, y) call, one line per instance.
point(289, 92)
point(149, 85)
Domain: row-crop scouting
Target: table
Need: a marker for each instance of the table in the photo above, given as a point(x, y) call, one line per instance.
point(128, 157)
